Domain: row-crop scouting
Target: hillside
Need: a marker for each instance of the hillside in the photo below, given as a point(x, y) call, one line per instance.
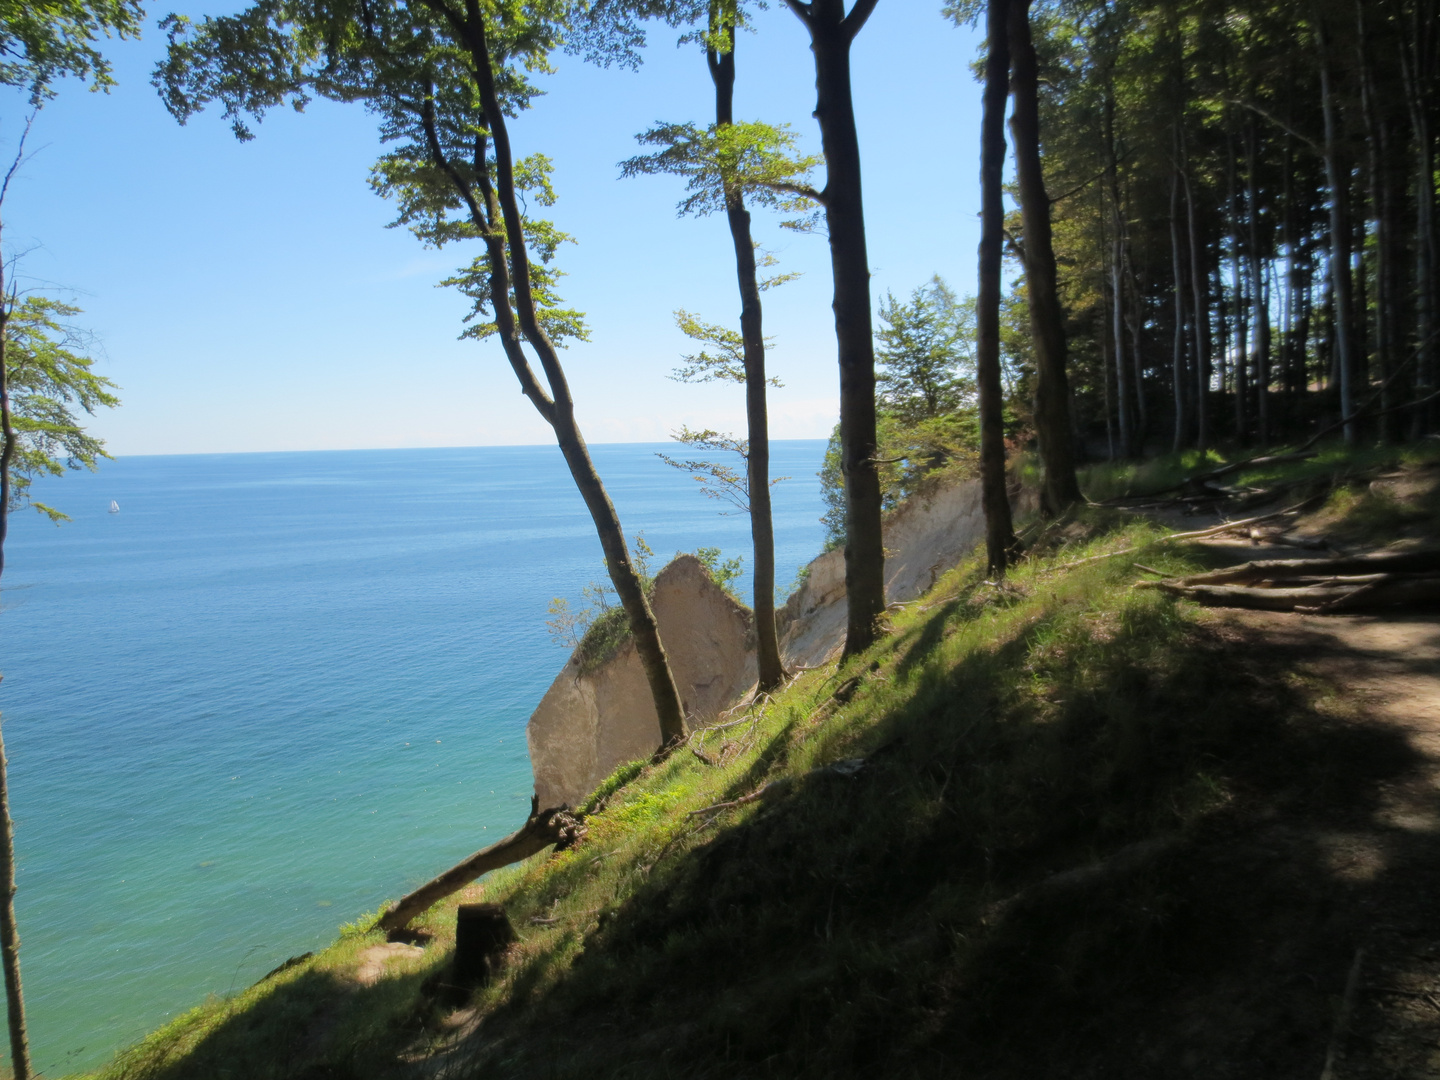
point(1057, 826)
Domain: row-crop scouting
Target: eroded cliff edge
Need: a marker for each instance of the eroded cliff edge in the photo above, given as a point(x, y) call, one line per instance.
point(590, 722)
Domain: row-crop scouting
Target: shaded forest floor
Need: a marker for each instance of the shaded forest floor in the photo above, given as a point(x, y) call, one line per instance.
point(1055, 827)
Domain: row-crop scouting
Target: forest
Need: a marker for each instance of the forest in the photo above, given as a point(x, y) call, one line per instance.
point(1205, 225)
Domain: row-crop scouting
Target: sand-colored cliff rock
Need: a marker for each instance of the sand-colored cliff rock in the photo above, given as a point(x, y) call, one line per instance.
point(588, 723)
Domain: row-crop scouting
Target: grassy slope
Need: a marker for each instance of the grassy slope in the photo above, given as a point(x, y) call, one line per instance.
point(907, 917)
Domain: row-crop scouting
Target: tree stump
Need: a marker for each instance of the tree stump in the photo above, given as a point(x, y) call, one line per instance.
point(482, 933)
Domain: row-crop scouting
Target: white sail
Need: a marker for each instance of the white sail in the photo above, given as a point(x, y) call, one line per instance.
point(114, 507)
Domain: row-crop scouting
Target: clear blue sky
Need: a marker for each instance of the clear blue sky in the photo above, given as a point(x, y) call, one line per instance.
point(249, 297)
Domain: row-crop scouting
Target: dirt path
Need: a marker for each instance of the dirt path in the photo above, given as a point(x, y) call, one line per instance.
point(1383, 852)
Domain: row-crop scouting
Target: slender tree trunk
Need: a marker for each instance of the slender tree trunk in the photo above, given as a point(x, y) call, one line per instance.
point(1339, 262)
point(831, 32)
point(1137, 352)
point(1378, 159)
point(1417, 60)
point(1237, 281)
point(1052, 389)
point(1261, 366)
point(1117, 291)
point(9, 928)
point(1177, 357)
point(559, 408)
point(1287, 302)
point(762, 528)
point(999, 528)
point(1102, 326)
point(1199, 306)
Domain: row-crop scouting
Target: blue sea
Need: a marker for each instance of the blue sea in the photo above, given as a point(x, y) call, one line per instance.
point(275, 690)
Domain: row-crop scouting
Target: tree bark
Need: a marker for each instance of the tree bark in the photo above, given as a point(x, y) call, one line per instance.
point(1378, 159)
point(1261, 366)
point(9, 928)
point(1117, 291)
point(1417, 61)
point(999, 527)
point(831, 33)
point(1200, 308)
point(541, 829)
point(1177, 356)
point(1339, 262)
point(1052, 390)
point(1237, 282)
point(771, 673)
point(558, 408)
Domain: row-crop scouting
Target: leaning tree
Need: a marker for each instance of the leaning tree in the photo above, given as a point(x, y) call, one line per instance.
point(445, 77)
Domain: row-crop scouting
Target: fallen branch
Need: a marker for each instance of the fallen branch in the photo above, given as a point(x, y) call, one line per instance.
point(1317, 586)
point(775, 787)
point(1199, 534)
point(1384, 562)
point(543, 828)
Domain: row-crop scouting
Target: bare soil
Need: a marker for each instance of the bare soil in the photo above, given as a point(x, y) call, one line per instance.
point(1382, 851)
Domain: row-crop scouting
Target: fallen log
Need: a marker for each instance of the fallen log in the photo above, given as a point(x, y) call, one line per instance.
point(1322, 596)
point(1382, 562)
point(541, 829)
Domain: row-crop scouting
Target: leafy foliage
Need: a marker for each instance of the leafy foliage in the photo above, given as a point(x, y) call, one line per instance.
point(41, 42)
point(408, 65)
point(924, 353)
point(50, 378)
point(761, 161)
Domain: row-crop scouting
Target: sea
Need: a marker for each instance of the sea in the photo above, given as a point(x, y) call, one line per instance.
point(273, 691)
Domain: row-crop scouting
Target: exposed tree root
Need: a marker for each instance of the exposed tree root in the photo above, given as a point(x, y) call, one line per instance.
point(1318, 586)
point(543, 828)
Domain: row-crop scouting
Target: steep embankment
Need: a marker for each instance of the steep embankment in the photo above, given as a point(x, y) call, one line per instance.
point(1060, 827)
point(598, 713)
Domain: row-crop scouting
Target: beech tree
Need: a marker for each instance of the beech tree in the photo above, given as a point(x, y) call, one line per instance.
point(999, 528)
point(445, 77)
point(831, 31)
point(1059, 488)
point(725, 164)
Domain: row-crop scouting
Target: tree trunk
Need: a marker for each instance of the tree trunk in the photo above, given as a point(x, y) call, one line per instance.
point(999, 528)
point(1117, 292)
point(1339, 262)
point(559, 410)
point(9, 929)
point(1237, 283)
point(1261, 366)
point(1201, 309)
point(1382, 201)
point(1177, 357)
point(762, 528)
point(1417, 60)
point(831, 32)
point(1052, 391)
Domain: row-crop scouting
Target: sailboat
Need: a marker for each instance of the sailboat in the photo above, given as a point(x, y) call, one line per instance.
point(114, 507)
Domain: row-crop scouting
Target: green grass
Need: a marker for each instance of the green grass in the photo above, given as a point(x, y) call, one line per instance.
point(868, 924)
point(1332, 462)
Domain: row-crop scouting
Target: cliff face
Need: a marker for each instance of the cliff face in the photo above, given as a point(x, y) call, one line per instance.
point(589, 723)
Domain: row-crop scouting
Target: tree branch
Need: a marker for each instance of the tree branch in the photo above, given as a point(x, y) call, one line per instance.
point(802, 12)
point(853, 23)
point(803, 190)
point(1311, 143)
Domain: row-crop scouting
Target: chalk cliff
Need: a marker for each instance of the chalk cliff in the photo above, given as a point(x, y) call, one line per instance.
point(588, 723)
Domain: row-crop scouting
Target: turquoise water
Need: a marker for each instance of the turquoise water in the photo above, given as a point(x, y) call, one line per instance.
point(275, 690)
